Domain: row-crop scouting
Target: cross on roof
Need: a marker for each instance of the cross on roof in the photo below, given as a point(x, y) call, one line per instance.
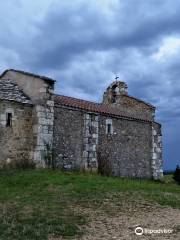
point(116, 78)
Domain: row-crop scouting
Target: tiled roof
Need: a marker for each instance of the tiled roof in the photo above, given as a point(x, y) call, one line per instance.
point(92, 107)
point(29, 74)
point(11, 92)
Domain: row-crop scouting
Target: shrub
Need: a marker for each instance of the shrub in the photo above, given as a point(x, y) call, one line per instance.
point(176, 175)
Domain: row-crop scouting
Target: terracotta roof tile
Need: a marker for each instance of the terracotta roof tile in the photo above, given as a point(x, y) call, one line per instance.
point(92, 107)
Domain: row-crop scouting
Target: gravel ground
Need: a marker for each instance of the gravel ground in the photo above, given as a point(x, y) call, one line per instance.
point(122, 225)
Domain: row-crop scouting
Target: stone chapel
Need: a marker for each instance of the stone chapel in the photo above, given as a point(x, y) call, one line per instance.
point(117, 137)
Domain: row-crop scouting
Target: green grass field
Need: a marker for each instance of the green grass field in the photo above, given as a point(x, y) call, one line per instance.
point(39, 204)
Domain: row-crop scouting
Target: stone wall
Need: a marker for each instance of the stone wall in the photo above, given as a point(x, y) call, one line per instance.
point(117, 97)
point(68, 138)
point(16, 141)
point(83, 141)
point(157, 163)
point(126, 151)
point(35, 88)
point(131, 107)
point(90, 137)
point(43, 121)
point(75, 139)
point(40, 91)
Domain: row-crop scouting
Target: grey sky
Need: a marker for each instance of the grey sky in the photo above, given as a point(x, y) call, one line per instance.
point(83, 44)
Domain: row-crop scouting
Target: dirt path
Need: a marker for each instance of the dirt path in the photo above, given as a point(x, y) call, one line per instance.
point(121, 225)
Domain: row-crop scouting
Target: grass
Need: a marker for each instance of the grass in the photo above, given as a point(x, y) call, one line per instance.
point(39, 204)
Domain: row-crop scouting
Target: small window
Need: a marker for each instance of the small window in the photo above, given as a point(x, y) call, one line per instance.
point(93, 117)
point(109, 128)
point(8, 119)
point(90, 129)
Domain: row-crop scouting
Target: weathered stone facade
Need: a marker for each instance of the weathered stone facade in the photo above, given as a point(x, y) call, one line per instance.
point(156, 162)
point(90, 137)
point(117, 137)
point(20, 89)
point(68, 138)
point(129, 141)
point(16, 141)
point(116, 95)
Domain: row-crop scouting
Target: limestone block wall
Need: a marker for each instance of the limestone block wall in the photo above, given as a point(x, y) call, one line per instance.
point(16, 141)
point(117, 96)
point(40, 91)
point(132, 107)
point(35, 88)
point(129, 106)
point(43, 121)
point(83, 141)
point(90, 138)
point(126, 152)
point(68, 138)
point(156, 162)
point(75, 139)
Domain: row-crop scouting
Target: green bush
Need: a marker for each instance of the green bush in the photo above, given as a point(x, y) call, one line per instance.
point(176, 175)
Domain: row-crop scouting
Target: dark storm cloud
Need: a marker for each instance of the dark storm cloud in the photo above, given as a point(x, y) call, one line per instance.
point(84, 43)
point(73, 29)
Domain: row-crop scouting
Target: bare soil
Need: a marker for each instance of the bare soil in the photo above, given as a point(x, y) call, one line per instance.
point(121, 225)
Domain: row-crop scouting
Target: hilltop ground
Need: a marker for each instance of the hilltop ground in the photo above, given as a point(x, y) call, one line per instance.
point(52, 205)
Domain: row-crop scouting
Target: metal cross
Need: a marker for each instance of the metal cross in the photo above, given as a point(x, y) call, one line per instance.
point(116, 78)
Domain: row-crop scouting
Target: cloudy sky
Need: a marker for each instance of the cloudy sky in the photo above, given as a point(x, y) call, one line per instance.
point(83, 44)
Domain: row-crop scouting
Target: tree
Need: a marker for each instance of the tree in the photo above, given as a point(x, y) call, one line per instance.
point(176, 175)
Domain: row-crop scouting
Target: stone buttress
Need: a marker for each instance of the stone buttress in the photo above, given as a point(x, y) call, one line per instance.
point(43, 132)
point(156, 162)
point(90, 142)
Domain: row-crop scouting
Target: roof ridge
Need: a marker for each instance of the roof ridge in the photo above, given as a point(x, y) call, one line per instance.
point(140, 100)
point(28, 73)
point(93, 107)
point(80, 99)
